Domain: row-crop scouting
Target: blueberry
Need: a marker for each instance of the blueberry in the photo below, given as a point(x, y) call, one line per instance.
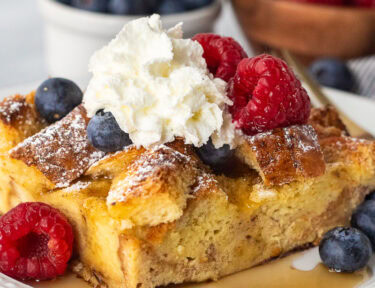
point(333, 73)
point(56, 97)
point(132, 7)
point(171, 6)
point(105, 134)
point(91, 5)
point(345, 249)
point(217, 159)
point(371, 196)
point(139, 7)
point(120, 7)
point(195, 4)
point(152, 5)
point(364, 219)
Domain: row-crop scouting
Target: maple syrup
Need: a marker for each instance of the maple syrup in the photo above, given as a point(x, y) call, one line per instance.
point(276, 274)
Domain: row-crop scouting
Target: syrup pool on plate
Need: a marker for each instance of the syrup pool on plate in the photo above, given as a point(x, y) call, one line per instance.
point(68, 281)
point(276, 274)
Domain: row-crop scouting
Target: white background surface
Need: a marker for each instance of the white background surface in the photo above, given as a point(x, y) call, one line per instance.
point(21, 49)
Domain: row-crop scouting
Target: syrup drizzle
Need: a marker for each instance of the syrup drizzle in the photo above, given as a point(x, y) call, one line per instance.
point(276, 274)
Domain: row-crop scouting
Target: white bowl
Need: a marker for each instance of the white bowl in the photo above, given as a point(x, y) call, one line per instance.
point(73, 35)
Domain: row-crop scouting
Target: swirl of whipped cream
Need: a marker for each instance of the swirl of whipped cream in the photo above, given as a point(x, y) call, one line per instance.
point(158, 87)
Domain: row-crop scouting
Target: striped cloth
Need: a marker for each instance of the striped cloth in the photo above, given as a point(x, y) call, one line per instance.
point(364, 71)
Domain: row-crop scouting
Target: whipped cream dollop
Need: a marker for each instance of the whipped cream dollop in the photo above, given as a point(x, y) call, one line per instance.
point(158, 87)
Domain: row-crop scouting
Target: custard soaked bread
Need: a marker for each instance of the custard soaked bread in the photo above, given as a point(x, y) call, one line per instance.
point(150, 217)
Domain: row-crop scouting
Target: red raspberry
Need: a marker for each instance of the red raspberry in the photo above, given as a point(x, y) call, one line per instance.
point(363, 3)
point(222, 54)
point(36, 242)
point(266, 95)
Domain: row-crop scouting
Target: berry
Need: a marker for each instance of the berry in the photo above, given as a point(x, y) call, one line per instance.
point(138, 7)
point(213, 157)
point(363, 3)
point(194, 4)
point(91, 5)
point(151, 5)
point(371, 196)
point(364, 219)
point(120, 7)
point(345, 249)
point(332, 73)
point(56, 97)
point(266, 95)
point(142, 7)
point(171, 6)
point(105, 134)
point(222, 54)
point(36, 242)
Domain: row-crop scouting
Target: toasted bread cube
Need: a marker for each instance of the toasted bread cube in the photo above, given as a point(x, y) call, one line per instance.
point(114, 164)
point(284, 155)
point(154, 189)
point(327, 123)
point(18, 120)
point(61, 151)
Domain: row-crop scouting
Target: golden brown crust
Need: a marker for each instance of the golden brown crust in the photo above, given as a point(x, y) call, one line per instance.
point(18, 109)
point(114, 164)
point(154, 189)
point(13, 109)
point(350, 150)
point(284, 155)
point(61, 151)
point(188, 150)
point(151, 168)
point(326, 117)
point(18, 120)
point(327, 123)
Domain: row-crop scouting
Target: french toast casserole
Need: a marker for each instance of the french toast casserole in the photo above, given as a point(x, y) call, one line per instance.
point(137, 168)
point(176, 221)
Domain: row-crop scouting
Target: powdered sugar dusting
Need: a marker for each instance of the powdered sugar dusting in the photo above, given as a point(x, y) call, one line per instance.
point(11, 107)
point(112, 155)
point(285, 154)
point(61, 151)
point(17, 111)
point(308, 137)
point(80, 185)
point(204, 181)
point(157, 159)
